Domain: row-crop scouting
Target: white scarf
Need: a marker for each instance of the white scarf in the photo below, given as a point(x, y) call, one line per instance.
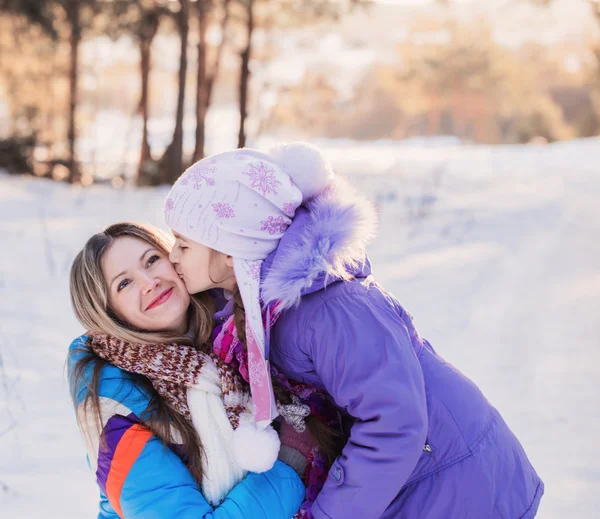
point(221, 470)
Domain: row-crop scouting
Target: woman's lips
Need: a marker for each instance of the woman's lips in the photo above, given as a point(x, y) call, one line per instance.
point(162, 298)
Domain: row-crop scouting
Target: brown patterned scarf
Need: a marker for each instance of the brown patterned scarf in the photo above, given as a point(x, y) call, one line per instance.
point(172, 369)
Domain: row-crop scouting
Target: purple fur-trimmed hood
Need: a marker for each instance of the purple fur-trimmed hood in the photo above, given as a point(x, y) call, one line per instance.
point(325, 243)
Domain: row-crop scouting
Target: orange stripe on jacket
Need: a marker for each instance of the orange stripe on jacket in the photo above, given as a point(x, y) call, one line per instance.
point(127, 451)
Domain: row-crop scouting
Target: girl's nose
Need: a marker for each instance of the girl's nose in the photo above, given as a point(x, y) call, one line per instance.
point(173, 255)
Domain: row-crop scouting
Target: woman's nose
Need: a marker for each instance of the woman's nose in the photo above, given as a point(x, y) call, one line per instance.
point(148, 283)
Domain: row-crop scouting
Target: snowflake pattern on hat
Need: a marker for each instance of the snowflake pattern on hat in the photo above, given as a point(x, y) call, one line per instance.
point(265, 409)
point(255, 370)
point(255, 271)
point(199, 173)
point(289, 209)
point(262, 178)
point(223, 210)
point(274, 225)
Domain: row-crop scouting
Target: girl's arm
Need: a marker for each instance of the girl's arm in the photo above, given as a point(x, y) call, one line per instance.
point(364, 357)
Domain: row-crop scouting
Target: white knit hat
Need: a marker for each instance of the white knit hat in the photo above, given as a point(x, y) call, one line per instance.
point(240, 203)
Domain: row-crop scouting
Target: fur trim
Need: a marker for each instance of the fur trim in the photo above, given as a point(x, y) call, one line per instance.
point(330, 244)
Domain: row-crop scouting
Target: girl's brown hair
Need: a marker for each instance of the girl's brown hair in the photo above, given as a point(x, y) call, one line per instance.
point(89, 297)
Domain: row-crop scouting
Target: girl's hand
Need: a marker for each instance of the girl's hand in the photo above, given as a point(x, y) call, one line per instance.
point(295, 447)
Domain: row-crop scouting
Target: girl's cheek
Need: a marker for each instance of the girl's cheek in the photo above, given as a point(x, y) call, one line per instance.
point(187, 266)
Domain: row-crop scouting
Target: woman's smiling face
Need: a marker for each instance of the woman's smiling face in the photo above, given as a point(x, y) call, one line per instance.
point(143, 288)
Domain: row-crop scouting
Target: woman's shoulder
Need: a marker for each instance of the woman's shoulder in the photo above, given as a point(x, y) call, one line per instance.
point(114, 383)
point(81, 354)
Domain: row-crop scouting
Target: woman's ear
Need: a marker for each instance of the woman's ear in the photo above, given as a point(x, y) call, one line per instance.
point(229, 261)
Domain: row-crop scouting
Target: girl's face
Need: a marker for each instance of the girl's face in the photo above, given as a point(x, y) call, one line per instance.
point(200, 267)
point(143, 288)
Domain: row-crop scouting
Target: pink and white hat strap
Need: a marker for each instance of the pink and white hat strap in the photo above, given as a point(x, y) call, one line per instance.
point(247, 273)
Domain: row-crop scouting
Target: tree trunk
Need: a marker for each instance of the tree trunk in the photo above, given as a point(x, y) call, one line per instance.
point(173, 158)
point(595, 4)
point(217, 63)
point(146, 173)
point(206, 80)
point(245, 76)
point(201, 87)
point(73, 15)
point(145, 155)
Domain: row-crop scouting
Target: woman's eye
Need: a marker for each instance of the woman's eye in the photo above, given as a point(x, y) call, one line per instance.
point(122, 285)
point(152, 259)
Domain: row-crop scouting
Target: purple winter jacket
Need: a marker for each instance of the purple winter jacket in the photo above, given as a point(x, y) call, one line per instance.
point(424, 441)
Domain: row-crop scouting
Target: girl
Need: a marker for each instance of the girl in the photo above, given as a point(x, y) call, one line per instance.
point(139, 382)
point(290, 237)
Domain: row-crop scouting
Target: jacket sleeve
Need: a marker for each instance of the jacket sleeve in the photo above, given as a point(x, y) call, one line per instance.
point(159, 486)
point(106, 511)
point(139, 477)
point(363, 354)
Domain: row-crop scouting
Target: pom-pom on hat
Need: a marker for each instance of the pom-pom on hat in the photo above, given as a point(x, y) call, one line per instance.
point(306, 165)
point(241, 203)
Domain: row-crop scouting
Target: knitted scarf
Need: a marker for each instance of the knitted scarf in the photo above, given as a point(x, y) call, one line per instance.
point(202, 388)
point(172, 368)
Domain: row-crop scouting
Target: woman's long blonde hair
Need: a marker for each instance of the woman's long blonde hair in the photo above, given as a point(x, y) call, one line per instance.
point(89, 297)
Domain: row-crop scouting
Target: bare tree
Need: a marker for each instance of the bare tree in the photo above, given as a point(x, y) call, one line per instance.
point(245, 72)
point(206, 75)
point(41, 13)
point(73, 11)
point(202, 9)
point(172, 160)
point(78, 17)
point(141, 20)
point(280, 13)
point(147, 29)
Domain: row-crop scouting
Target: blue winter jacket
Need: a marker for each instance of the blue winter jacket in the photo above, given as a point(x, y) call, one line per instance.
point(424, 442)
point(139, 477)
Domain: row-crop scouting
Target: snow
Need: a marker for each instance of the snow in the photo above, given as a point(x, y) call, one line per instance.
point(494, 250)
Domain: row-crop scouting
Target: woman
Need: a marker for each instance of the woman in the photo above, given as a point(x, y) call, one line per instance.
point(153, 449)
point(290, 238)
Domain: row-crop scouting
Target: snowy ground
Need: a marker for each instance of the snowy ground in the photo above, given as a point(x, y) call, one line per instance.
point(495, 251)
